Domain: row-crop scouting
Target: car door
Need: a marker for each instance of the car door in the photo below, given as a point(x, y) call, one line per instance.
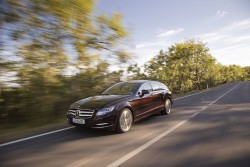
point(144, 102)
point(157, 94)
point(165, 91)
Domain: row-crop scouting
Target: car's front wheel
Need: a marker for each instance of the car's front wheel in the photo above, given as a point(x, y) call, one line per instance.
point(125, 121)
point(167, 107)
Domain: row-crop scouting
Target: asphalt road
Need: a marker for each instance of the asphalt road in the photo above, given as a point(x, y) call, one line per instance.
point(206, 129)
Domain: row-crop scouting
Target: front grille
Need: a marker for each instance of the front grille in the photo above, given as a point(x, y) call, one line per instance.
point(83, 113)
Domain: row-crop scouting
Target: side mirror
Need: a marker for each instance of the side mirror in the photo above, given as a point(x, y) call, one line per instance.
point(143, 92)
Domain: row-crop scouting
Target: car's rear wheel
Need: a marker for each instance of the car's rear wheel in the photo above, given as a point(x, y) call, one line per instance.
point(125, 121)
point(167, 107)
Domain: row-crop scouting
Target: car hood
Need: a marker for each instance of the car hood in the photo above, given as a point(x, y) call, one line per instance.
point(97, 102)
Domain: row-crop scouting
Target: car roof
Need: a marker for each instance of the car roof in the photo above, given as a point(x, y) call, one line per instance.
point(138, 81)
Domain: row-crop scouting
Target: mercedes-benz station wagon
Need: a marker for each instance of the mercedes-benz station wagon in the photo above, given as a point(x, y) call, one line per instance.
point(120, 105)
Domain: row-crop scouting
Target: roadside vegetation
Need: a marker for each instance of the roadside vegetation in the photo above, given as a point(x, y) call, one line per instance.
point(55, 52)
point(188, 66)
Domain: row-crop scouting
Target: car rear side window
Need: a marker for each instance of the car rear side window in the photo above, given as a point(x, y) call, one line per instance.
point(155, 86)
point(162, 86)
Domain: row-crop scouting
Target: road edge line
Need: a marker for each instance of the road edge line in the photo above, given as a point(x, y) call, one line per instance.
point(198, 93)
point(36, 136)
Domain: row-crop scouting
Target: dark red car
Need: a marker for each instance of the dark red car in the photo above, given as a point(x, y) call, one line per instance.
point(121, 105)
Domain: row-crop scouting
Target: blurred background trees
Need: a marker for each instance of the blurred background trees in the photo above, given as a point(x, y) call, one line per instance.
point(54, 52)
point(51, 50)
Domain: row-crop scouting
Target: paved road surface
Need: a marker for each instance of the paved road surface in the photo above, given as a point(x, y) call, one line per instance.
point(206, 129)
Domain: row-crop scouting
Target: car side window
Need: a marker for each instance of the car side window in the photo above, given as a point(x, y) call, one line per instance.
point(155, 86)
point(145, 86)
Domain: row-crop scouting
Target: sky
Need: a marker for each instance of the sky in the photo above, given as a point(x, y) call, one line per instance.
point(155, 25)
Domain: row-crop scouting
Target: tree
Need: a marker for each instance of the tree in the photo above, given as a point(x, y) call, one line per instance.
point(187, 66)
point(45, 37)
point(247, 73)
point(233, 73)
point(134, 72)
point(183, 67)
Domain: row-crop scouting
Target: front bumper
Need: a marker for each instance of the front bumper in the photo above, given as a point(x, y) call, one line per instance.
point(99, 122)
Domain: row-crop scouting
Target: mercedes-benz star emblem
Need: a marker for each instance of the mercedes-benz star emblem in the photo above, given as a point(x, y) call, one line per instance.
point(77, 112)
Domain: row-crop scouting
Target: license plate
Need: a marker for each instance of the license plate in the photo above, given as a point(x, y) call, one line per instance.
point(78, 121)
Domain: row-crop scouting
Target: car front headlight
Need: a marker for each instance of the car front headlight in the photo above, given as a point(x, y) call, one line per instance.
point(105, 110)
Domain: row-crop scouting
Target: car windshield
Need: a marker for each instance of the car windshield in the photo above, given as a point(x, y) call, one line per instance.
point(123, 88)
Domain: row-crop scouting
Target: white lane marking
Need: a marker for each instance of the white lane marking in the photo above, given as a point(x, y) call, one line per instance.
point(157, 138)
point(144, 146)
point(32, 137)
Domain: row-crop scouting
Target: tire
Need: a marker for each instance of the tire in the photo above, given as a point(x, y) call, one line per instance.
point(167, 107)
point(125, 121)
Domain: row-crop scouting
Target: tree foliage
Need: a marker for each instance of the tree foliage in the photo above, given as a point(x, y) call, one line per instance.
point(188, 66)
point(44, 39)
